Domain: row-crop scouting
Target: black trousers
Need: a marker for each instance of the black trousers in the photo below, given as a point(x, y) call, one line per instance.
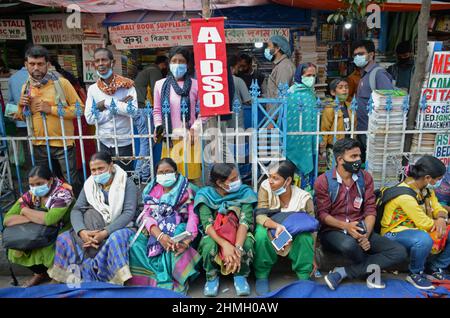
point(383, 252)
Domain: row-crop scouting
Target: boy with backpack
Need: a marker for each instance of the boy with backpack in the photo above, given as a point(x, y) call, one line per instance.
point(346, 209)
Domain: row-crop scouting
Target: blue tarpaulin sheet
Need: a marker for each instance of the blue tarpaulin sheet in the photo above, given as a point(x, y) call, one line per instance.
point(302, 289)
point(395, 288)
point(87, 290)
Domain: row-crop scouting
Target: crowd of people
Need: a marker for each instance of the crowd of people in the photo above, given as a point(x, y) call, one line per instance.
point(228, 229)
point(223, 227)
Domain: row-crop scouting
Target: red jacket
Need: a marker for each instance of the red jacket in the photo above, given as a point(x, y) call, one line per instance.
point(344, 208)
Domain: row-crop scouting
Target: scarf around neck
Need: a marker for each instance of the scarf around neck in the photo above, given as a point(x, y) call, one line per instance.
point(117, 82)
point(50, 76)
point(183, 92)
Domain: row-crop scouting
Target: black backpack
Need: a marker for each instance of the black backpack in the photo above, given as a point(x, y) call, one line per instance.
point(384, 196)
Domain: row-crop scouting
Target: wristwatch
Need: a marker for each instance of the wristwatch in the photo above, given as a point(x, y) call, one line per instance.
point(240, 248)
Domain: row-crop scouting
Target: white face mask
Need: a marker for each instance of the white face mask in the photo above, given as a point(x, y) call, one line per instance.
point(234, 186)
point(281, 190)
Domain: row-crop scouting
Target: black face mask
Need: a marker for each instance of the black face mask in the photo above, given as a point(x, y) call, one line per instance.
point(404, 61)
point(352, 166)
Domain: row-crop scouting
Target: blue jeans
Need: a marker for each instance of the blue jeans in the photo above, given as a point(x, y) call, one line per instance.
point(142, 166)
point(418, 244)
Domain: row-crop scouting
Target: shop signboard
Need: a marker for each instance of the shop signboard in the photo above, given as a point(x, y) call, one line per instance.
point(178, 33)
point(442, 148)
point(89, 46)
point(437, 94)
point(13, 29)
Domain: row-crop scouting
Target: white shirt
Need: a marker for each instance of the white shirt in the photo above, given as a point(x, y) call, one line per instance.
point(105, 118)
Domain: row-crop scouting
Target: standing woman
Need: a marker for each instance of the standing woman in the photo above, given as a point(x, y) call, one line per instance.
point(48, 202)
point(155, 259)
point(177, 89)
point(226, 214)
point(301, 149)
point(102, 219)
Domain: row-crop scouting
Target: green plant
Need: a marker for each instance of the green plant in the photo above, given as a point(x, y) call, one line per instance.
point(355, 10)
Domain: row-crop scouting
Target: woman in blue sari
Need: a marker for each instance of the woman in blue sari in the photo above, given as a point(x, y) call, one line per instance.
point(155, 258)
point(301, 150)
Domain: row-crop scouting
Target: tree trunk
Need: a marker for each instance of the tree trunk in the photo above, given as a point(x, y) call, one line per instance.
point(420, 69)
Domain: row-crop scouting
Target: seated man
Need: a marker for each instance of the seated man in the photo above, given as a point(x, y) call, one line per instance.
point(346, 209)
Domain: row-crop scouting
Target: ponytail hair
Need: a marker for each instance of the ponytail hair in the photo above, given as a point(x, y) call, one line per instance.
point(427, 166)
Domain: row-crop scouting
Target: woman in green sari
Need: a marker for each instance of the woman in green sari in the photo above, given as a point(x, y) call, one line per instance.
point(226, 214)
point(48, 202)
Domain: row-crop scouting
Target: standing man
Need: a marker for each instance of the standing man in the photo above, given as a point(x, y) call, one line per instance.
point(41, 93)
point(146, 79)
point(347, 212)
point(145, 85)
point(246, 71)
point(402, 70)
point(373, 77)
point(278, 51)
point(109, 87)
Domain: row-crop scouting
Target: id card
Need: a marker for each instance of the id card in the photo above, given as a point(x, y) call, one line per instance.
point(357, 203)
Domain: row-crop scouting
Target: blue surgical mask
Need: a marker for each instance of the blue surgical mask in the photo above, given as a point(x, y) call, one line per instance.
point(360, 61)
point(268, 55)
point(280, 191)
point(309, 81)
point(166, 180)
point(40, 191)
point(234, 186)
point(434, 186)
point(107, 75)
point(178, 70)
point(102, 178)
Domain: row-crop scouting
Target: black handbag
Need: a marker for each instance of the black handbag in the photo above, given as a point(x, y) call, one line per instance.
point(29, 236)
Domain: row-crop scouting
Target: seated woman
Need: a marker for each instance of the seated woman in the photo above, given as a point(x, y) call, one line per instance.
point(48, 202)
point(226, 214)
point(417, 220)
point(282, 200)
point(102, 218)
point(155, 259)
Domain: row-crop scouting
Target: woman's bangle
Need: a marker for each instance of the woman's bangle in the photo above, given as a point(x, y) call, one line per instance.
point(159, 236)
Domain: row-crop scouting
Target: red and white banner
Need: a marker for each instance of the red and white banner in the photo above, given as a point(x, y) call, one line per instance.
point(210, 54)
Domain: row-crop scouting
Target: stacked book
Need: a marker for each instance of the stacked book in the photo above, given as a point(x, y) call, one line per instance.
point(426, 143)
point(385, 150)
point(69, 63)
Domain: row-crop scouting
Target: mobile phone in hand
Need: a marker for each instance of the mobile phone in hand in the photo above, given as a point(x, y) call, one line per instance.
point(281, 240)
point(362, 225)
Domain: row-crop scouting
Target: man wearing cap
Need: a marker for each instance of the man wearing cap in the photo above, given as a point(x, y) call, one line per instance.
point(278, 51)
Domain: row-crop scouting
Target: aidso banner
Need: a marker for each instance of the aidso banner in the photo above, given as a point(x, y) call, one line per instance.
point(211, 65)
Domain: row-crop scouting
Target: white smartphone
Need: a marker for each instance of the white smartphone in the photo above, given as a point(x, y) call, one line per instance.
point(281, 240)
point(182, 236)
